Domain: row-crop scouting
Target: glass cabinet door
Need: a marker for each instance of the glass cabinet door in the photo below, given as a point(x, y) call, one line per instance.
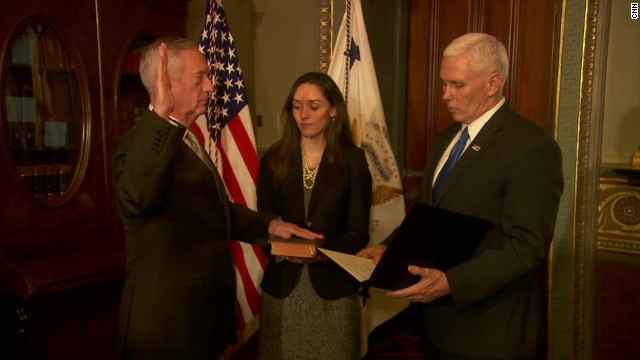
point(43, 114)
point(132, 98)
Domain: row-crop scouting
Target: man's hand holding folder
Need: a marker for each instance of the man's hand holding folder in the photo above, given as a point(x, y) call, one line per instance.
point(374, 252)
point(433, 283)
point(429, 241)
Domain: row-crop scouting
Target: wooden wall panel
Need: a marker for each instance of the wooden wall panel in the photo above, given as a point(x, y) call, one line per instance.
point(534, 66)
point(420, 71)
point(499, 9)
point(617, 299)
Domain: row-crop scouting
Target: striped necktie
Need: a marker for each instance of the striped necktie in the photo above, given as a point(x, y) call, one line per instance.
point(191, 140)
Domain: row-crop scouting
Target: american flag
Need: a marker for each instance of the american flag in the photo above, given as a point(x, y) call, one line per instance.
point(227, 134)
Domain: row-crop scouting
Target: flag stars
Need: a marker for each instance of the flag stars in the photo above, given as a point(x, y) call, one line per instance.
point(222, 58)
point(230, 68)
point(224, 112)
point(354, 53)
point(217, 80)
point(229, 96)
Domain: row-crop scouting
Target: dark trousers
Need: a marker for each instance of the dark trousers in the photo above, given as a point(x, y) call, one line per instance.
point(433, 353)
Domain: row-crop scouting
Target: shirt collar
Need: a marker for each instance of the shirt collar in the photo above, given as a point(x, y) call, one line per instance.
point(475, 127)
point(172, 120)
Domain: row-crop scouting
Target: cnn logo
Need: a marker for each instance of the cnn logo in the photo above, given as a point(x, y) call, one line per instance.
point(634, 11)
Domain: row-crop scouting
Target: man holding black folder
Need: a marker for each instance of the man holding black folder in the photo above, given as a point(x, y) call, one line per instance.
point(496, 165)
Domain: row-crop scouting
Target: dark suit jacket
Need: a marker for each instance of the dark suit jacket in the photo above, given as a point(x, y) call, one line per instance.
point(510, 174)
point(339, 208)
point(179, 298)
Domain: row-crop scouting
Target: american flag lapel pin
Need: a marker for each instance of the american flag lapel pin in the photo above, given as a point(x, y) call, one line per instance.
point(476, 147)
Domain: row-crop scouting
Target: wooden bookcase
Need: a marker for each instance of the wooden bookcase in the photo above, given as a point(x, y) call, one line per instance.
point(69, 91)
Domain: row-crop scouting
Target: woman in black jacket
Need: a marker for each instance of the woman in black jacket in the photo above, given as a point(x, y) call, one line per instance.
point(317, 178)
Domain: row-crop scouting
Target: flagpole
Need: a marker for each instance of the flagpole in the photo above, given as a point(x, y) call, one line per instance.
point(347, 53)
point(368, 124)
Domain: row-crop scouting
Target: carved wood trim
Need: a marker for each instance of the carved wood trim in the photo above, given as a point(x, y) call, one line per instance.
point(326, 33)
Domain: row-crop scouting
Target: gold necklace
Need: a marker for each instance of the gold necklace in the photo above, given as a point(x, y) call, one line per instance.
point(308, 175)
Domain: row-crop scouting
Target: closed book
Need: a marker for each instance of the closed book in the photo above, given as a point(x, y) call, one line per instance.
point(294, 247)
point(29, 118)
point(13, 106)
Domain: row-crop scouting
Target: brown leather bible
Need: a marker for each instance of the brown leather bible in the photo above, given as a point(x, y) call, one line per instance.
point(294, 247)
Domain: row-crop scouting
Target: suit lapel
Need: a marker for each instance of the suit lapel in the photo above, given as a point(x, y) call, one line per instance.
point(209, 168)
point(438, 150)
point(222, 192)
point(483, 141)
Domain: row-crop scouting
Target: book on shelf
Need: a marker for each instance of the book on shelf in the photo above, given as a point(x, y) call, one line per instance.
point(294, 247)
point(29, 120)
point(428, 237)
point(13, 112)
point(21, 115)
point(55, 134)
point(21, 52)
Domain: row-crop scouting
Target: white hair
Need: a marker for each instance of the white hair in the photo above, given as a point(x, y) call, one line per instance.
point(488, 54)
point(149, 59)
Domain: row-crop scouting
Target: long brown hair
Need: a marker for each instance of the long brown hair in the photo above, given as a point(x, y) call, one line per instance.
point(337, 134)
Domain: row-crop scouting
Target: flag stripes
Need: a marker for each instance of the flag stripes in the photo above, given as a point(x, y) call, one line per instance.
point(227, 134)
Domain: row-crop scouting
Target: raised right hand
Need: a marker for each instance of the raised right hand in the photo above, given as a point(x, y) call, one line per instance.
point(162, 98)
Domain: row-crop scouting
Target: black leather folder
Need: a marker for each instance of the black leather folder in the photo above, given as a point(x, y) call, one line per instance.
point(427, 237)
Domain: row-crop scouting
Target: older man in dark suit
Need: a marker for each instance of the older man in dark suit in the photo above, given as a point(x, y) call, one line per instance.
point(494, 164)
point(178, 300)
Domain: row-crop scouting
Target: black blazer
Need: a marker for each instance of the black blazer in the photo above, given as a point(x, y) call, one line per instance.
point(179, 297)
point(339, 208)
point(510, 174)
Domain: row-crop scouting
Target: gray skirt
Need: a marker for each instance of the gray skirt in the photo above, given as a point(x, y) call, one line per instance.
point(306, 326)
